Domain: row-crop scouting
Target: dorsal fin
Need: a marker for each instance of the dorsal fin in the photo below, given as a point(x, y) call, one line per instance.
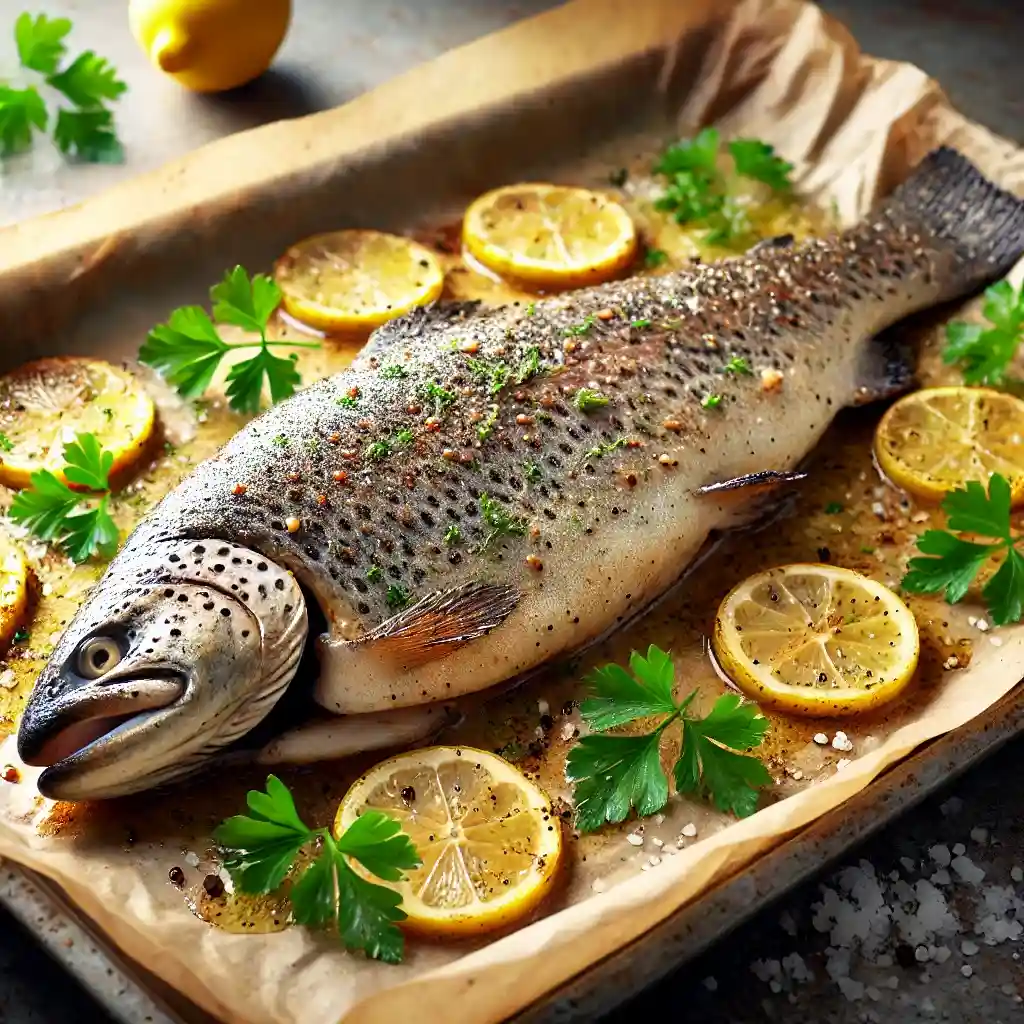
point(443, 621)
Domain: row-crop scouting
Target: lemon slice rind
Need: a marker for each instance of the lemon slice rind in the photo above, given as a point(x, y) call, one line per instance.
point(45, 403)
point(793, 638)
point(352, 281)
point(550, 236)
point(934, 441)
point(488, 864)
point(14, 593)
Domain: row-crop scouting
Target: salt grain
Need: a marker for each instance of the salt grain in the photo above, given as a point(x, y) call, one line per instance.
point(635, 839)
point(841, 742)
point(689, 830)
point(969, 948)
point(654, 860)
point(968, 870)
point(658, 842)
point(821, 739)
point(982, 624)
point(996, 641)
point(1017, 874)
point(192, 859)
point(959, 850)
point(979, 835)
point(568, 731)
point(543, 707)
point(967, 970)
point(940, 854)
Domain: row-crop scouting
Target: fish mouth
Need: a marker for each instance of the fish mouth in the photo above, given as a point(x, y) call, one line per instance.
point(87, 733)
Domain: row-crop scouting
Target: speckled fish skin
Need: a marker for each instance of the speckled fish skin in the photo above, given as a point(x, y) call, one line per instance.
point(371, 483)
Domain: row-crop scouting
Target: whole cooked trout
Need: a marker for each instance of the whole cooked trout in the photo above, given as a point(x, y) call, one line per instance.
point(483, 491)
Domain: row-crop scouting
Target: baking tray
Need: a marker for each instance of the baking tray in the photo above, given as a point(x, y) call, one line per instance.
point(194, 233)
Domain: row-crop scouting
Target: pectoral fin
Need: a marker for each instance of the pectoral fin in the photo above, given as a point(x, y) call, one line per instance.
point(442, 622)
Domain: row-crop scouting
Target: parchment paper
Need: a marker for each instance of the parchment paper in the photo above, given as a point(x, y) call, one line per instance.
point(774, 69)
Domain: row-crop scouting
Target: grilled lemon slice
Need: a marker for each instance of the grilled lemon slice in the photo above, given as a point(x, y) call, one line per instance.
point(816, 640)
point(488, 839)
point(550, 236)
point(353, 281)
point(933, 441)
point(44, 404)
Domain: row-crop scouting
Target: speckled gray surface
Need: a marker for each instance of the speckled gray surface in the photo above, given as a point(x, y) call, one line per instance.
point(338, 48)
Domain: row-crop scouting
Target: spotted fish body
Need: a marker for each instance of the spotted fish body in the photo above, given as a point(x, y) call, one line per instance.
point(485, 490)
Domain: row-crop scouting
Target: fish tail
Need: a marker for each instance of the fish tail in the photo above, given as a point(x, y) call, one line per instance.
point(948, 198)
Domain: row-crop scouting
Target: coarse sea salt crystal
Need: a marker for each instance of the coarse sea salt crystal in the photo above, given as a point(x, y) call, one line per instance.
point(982, 624)
point(635, 839)
point(967, 970)
point(1017, 874)
point(959, 850)
point(192, 859)
point(7, 679)
point(841, 742)
point(968, 870)
point(821, 739)
point(543, 707)
point(689, 830)
point(941, 877)
point(658, 842)
point(979, 835)
point(940, 854)
point(969, 948)
point(942, 954)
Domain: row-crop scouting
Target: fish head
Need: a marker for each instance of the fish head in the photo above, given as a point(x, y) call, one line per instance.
point(160, 670)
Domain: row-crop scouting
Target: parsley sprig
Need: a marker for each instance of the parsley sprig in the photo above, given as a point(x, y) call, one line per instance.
point(951, 563)
point(696, 190)
point(188, 349)
point(613, 774)
point(986, 352)
point(261, 848)
point(77, 521)
point(84, 129)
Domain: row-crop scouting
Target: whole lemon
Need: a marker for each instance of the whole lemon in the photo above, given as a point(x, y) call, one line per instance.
point(210, 45)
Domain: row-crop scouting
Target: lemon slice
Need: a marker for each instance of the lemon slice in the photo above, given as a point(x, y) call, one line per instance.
point(550, 236)
point(13, 590)
point(44, 404)
point(816, 640)
point(353, 281)
point(489, 842)
point(933, 441)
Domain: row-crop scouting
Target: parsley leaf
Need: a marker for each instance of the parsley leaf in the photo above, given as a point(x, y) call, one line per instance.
point(709, 764)
point(88, 80)
point(612, 774)
point(79, 524)
point(986, 352)
point(188, 349)
point(757, 160)
point(21, 110)
point(88, 134)
point(952, 563)
point(40, 41)
point(587, 400)
point(260, 850)
point(86, 129)
point(500, 520)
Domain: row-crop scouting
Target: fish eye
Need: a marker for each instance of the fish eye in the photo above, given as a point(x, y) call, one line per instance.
point(97, 657)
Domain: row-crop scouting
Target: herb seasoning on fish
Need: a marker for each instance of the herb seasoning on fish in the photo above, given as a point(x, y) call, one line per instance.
point(196, 630)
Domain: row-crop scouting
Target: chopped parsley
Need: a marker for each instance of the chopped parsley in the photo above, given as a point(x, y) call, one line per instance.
point(580, 329)
point(501, 522)
point(531, 308)
point(279, 441)
point(494, 372)
point(6, 444)
point(655, 258)
point(587, 400)
point(441, 397)
point(486, 428)
point(374, 574)
point(378, 450)
point(531, 471)
point(711, 401)
point(397, 596)
point(453, 535)
point(395, 371)
point(639, 324)
point(737, 365)
point(530, 365)
point(833, 508)
point(347, 401)
point(604, 449)
point(403, 437)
